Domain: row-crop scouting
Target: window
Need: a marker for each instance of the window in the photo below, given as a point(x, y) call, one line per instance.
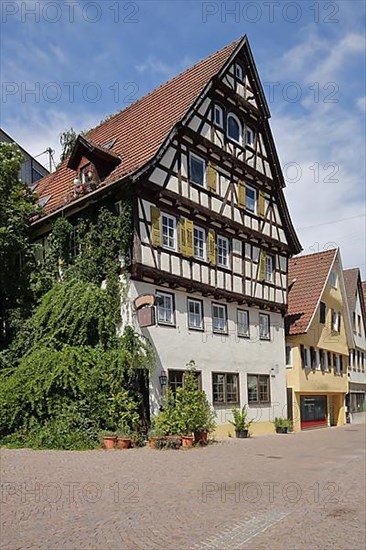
point(359, 324)
point(303, 356)
point(197, 170)
point(218, 116)
point(234, 131)
point(249, 137)
point(269, 268)
point(219, 318)
point(169, 231)
point(337, 364)
point(195, 314)
point(289, 356)
point(312, 358)
point(333, 279)
point(250, 199)
point(199, 243)
point(176, 379)
point(322, 314)
point(326, 362)
point(74, 243)
point(336, 321)
point(243, 323)
point(264, 331)
point(239, 72)
point(225, 388)
point(258, 388)
point(222, 251)
point(165, 308)
point(318, 362)
point(354, 322)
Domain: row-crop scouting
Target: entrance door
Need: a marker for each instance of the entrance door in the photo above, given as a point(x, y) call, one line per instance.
point(313, 410)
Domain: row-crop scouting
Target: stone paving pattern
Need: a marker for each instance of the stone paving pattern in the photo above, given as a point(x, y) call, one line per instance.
point(295, 491)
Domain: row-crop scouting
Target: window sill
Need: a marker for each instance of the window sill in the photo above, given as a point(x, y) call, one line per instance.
point(221, 332)
point(259, 403)
point(162, 324)
point(265, 339)
point(225, 404)
point(196, 329)
point(244, 336)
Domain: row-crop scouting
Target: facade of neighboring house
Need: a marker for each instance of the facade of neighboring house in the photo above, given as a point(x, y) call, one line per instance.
point(31, 170)
point(357, 353)
point(212, 233)
point(318, 339)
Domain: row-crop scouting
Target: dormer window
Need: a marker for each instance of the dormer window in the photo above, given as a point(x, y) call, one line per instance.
point(218, 116)
point(234, 130)
point(249, 137)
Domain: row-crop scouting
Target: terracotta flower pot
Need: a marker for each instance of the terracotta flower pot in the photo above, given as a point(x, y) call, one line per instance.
point(152, 442)
point(201, 437)
point(109, 442)
point(187, 441)
point(123, 442)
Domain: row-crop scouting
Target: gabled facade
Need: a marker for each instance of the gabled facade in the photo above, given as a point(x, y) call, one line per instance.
point(357, 353)
point(317, 341)
point(212, 233)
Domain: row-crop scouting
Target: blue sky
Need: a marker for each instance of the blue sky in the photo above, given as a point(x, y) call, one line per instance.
point(85, 60)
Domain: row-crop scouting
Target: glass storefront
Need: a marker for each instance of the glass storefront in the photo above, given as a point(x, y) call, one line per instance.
point(313, 411)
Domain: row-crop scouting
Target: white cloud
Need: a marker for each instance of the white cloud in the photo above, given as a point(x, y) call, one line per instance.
point(361, 104)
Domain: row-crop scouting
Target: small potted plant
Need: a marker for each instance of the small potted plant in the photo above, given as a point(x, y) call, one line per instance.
point(109, 440)
point(282, 425)
point(241, 422)
point(124, 437)
point(187, 441)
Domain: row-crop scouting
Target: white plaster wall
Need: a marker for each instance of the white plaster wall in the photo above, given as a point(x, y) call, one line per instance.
point(176, 346)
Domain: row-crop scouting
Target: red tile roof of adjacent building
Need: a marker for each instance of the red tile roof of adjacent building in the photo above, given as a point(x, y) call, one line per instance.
point(141, 128)
point(350, 280)
point(307, 276)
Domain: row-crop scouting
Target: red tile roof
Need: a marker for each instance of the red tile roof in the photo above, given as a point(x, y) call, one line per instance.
point(351, 280)
point(141, 128)
point(307, 276)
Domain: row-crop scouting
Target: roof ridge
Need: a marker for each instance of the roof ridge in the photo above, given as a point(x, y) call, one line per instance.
point(300, 256)
point(191, 67)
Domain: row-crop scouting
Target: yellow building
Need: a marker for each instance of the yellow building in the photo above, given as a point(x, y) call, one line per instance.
point(317, 342)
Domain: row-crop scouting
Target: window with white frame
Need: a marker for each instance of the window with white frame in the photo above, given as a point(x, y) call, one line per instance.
point(333, 279)
point(218, 116)
point(337, 364)
point(326, 361)
point(169, 231)
point(307, 358)
point(234, 129)
point(195, 314)
point(264, 328)
point(269, 268)
point(317, 360)
point(336, 321)
point(249, 137)
point(222, 251)
point(165, 308)
point(199, 243)
point(243, 323)
point(197, 170)
point(250, 199)
point(219, 318)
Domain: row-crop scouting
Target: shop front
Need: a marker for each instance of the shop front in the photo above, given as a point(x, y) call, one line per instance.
point(313, 411)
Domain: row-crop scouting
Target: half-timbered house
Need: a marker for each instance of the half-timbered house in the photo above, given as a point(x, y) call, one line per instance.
point(212, 232)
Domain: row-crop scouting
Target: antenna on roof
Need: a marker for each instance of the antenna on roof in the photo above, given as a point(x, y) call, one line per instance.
point(50, 157)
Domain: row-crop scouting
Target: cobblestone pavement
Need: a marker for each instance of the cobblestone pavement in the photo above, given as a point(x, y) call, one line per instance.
point(296, 491)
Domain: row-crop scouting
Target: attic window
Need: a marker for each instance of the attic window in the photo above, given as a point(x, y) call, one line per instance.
point(250, 137)
point(109, 144)
point(44, 201)
point(333, 279)
point(239, 72)
point(219, 116)
point(234, 130)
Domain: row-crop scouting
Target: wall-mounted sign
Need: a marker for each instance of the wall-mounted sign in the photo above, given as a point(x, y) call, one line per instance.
point(146, 316)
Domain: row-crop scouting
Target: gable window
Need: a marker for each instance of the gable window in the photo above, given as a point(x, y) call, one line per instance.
point(165, 308)
point(269, 268)
point(169, 231)
point(219, 318)
point(250, 199)
point(243, 323)
point(264, 330)
point(239, 72)
point(288, 356)
point(249, 137)
point(336, 321)
point(359, 324)
point(219, 116)
point(225, 388)
point(234, 131)
point(222, 251)
point(322, 313)
point(195, 314)
point(333, 279)
point(258, 388)
point(199, 243)
point(197, 170)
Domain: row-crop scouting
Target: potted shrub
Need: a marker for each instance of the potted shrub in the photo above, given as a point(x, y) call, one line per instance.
point(282, 425)
point(241, 422)
point(124, 438)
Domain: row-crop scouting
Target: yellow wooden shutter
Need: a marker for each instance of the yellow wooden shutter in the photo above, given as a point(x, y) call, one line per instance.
point(262, 265)
point(182, 236)
point(261, 204)
point(189, 237)
point(241, 194)
point(211, 178)
point(155, 226)
point(211, 247)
